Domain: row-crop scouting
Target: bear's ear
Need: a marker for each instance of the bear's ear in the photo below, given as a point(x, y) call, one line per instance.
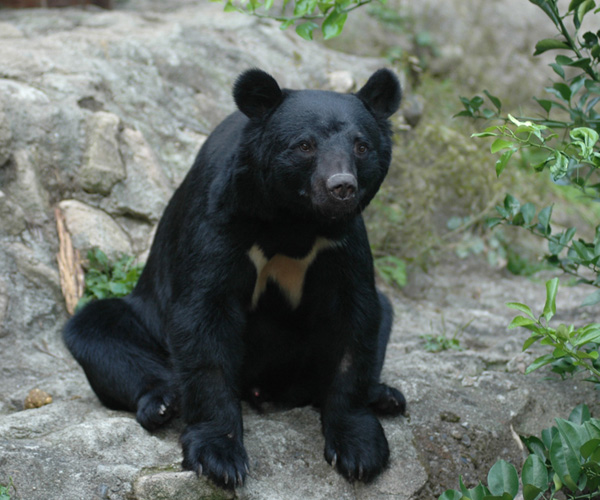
point(256, 92)
point(382, 93)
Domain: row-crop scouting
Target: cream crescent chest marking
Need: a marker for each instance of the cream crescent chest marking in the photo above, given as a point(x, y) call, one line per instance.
point(287, 272)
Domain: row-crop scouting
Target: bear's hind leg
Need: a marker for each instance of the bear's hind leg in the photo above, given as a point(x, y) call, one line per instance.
point(385, 400)
point(126, 367)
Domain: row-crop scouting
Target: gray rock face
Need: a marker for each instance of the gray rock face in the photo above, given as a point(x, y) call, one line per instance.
point(102, 165)
point(101, 114)
point(92, 227)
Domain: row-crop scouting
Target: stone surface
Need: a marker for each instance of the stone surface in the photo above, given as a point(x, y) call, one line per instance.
point(145, 191)
point(102, 164)
point(90, 227)
point(5, 137)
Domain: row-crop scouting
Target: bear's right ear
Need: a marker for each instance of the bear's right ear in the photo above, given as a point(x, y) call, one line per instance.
point(256, 92)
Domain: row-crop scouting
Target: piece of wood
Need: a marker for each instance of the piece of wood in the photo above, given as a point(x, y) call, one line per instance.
point(72, 280)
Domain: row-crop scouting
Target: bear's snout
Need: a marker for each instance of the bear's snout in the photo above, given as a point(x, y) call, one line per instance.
point(342, 187)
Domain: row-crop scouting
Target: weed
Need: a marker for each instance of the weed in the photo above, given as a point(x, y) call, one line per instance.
point(105, 278)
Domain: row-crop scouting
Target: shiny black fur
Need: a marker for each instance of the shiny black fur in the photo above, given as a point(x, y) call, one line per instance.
point(289, 168)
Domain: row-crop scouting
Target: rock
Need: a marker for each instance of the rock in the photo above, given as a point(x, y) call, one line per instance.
point(102, 166)
point(5, 137)
point(413, 107)
point(90, 227)
point(9, 31)
point(27, 190)
point(3, 307)
point(12, 217)
point(179, 485)
point(341, 81)
point(36, 399)
point(146, 190)
point(30, 265)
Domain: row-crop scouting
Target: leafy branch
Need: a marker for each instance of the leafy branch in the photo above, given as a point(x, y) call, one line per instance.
point(564, 461)
point(331, 13)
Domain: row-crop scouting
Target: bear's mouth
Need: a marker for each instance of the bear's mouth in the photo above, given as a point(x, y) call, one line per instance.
point(332, 208)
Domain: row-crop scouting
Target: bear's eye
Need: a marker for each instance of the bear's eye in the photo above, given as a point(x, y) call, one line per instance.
point(305, 147)
point(361, 148)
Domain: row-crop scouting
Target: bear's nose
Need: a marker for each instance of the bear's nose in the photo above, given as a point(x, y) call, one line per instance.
point(342, 186)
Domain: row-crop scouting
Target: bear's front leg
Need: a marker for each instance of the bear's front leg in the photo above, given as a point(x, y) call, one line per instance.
point(207, 349)
point(355, 443)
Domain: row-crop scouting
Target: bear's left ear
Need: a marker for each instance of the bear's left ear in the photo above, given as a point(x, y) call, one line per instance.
point(256, 92)
point(382, 93)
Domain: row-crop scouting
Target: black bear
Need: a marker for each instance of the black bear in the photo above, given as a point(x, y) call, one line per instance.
point(259, 285)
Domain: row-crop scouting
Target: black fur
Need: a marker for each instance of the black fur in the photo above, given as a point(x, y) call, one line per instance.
point(282, 180)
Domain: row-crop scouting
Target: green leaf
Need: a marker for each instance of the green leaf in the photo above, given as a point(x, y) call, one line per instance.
point(503, 478)
point(521, 321)
point(499, 144)
point(586, 335)
point(592, 299)
point(521, 307)
point(590, 447)
point(539, 362)
point(531, 492)
point(534, 474)
point(580, 414)
point(586, 138)
point(549, 9)
point(583, 9)
point(560, 90)
point(544, 219)
point(536, 446)
point(550, 305)
point(574, 4)
point(484, 134)
point(451, 495)
point(528, 211)
point(531, 340)
point(392, 270)
point(558, 69)
point(495, 101)
point(565, 461)
point(492, 222)
point(511, 205)
point(549, 44)
point(503, 161)
point(560, 167)
point(286, 24)
point(229, 7)
point(333, 24)
point(305, 30)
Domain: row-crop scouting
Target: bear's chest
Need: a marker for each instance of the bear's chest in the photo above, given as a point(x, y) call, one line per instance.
point(288, 273)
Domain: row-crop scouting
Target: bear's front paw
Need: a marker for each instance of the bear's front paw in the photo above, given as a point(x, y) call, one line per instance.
point(356, 445)
point(220, 457)
point(156, 407)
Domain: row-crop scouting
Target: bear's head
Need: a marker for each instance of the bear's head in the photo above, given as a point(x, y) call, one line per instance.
point(318, 154)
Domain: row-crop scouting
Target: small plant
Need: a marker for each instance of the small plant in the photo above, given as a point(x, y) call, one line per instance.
point(571, 156)
point(444, 342)
point(105, 279)
point(5, 489)
point(392, 270)
point(573, 349)
point(332, 14)
point(565, 459)
point(439, 343)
